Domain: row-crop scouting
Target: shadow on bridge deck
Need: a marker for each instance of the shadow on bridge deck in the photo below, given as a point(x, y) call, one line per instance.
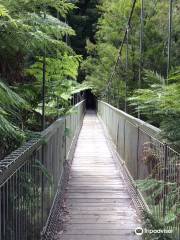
point(98, 203)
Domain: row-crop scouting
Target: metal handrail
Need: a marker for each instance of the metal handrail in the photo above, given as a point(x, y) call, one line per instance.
point(30, 177)
point(145, 158)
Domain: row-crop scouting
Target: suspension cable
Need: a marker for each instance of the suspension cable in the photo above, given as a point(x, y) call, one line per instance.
point(141, 42)
point(44, 79)
point(127, 65)
point(169, 37)
point(141, 48)
point(121, 47)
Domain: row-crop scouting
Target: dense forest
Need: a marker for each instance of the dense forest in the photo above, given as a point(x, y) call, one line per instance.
point(52, 51)
point(157, 95)
point(38, 69)
point(65, 43)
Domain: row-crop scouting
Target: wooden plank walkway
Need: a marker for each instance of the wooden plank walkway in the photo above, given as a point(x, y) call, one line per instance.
point(98, 203)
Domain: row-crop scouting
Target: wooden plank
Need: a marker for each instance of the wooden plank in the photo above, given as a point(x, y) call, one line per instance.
point(103, 168)
point(95, 191)
point(106, 220)
point(101, 208)
point(89, 158)
point(101, 219)
point(98, 200)
point(98, 195)
point(98, 181)
point(123, 225)
point(99, 204)
point(107, 212)
point(102, 178)
point(110, 232)
point(80, 189)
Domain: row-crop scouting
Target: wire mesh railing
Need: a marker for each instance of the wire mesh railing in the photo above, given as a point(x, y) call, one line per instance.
point(153, 165)
point(30, 176)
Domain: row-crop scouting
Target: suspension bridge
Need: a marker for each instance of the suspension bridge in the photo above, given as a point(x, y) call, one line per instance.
point(78, 179)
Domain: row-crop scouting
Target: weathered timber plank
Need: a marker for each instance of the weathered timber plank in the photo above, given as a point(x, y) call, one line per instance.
point(101, 208)
point(101, 226)
point(98, 195)
point(99, 204)
point(98, 200)
point(119, 213)
point(101, 219)
point(110, 232)
point(95, 189)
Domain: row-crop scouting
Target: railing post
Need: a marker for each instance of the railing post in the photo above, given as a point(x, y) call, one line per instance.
point(42, 187)
point(65, 139)
point(117, 137)
point(124, 130)
point(1, 213)
point(165, 179)
point(137, 171)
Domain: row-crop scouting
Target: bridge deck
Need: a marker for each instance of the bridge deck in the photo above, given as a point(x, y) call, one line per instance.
point(98, 203)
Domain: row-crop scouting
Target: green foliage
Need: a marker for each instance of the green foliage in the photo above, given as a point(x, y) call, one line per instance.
point(159, 104)
point(4, 12)
point(102, 56)
point(61, 74)
point(10, 105)
point(152, 190)
point(28, 193)
point(83, 20)
point(31, 30)
point(11, 125)
point(152, 223)
point(39, 166)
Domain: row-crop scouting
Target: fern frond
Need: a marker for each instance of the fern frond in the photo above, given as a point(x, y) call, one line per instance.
point(7, 129)
point(3, 11)
point(9, 97)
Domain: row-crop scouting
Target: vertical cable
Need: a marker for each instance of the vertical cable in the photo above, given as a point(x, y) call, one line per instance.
point(119, 53)
point(127, 63)
point(141, 48)
point(165, 179)
point(43, 124)
point(169, 37)
point(57, 97)
point(44, 79)
point(114, 91)
point(116, 88)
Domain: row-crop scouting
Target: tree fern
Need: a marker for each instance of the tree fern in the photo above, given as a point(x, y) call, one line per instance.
point(29, 30)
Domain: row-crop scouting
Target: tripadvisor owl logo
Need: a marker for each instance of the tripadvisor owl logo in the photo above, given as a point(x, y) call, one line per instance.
point(139, 231)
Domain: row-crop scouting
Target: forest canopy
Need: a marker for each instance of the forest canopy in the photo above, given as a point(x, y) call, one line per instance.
point(54, 53)
point(73, 46)
point(157, 97)
point(33, 47)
